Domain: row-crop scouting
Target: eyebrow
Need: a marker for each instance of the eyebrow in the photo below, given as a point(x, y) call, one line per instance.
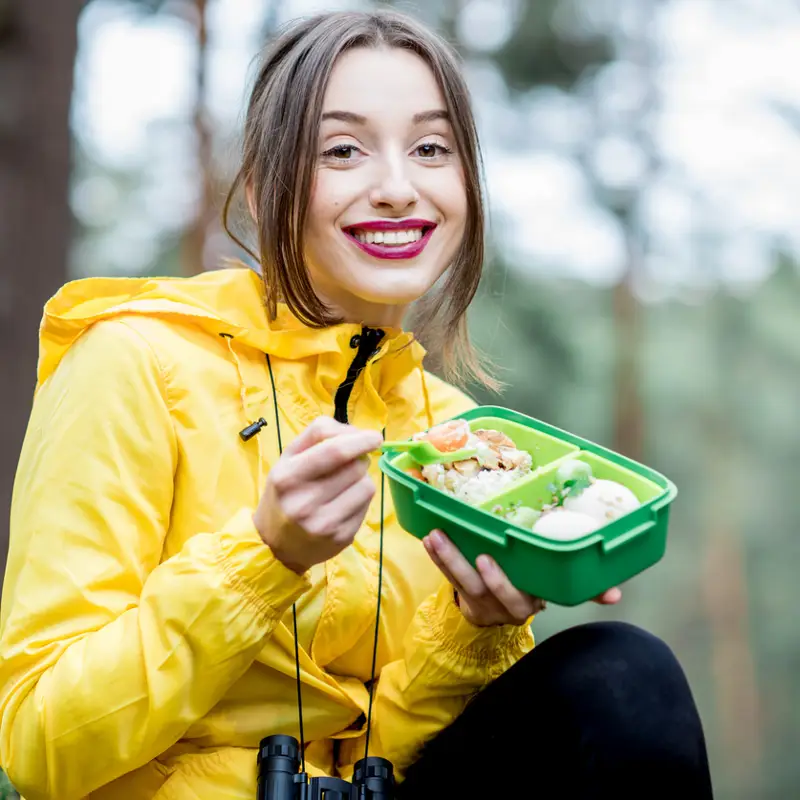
point(358, 119)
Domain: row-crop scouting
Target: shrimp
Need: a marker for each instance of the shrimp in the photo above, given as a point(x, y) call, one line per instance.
point(449, 436)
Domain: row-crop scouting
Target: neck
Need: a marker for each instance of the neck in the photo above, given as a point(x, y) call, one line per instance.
point(362, 312)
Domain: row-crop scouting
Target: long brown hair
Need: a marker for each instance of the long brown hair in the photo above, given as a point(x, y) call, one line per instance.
point(279, 162)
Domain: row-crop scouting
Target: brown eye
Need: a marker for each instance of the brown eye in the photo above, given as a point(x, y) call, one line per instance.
point(342, 152)
point(428, 151)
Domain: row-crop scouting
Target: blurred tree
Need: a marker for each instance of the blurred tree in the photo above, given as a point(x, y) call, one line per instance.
point(38, 41)
point(541, 52)
point(193, 256)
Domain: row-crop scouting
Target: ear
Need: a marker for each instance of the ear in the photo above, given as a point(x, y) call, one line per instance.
point(250, 196)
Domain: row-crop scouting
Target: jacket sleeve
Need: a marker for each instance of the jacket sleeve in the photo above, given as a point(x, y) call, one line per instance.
point(106, 655)
point(446, 660)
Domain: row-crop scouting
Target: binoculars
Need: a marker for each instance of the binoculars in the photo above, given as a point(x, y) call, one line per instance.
point(279, 776)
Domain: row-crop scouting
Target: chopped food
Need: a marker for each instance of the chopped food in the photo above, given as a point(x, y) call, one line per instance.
point(497, 463)
point(415, 472)
point(580, 504)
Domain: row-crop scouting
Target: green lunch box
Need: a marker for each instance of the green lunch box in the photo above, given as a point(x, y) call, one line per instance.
point(566, 573)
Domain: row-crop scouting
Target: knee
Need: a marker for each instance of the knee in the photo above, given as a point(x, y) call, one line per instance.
point(613, 659)
point(620, 639)
point(620, 671)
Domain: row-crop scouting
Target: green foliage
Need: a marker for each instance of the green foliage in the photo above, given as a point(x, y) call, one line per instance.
point(7, 791)
point(540, 52)
point(720, 388)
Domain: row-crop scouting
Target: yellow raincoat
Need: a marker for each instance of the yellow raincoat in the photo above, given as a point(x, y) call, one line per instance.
point(146, 641)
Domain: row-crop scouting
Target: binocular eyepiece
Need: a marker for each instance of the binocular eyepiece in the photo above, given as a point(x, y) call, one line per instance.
point(279, 776)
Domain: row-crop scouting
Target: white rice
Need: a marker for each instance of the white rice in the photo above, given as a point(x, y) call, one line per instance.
point(477, 489)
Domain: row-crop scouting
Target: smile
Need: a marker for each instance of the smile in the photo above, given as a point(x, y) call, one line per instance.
point(390, 239)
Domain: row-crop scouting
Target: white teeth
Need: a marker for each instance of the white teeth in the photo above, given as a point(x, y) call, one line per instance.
point(388, 237)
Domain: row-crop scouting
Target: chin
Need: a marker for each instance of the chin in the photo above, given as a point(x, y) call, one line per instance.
point(396, 292)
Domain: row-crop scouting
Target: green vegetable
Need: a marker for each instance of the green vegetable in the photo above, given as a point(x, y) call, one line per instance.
point(572, 477)
point(524, 516)
point(572, 471)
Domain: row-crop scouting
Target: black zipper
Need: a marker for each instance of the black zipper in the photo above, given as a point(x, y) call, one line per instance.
point(367, 344)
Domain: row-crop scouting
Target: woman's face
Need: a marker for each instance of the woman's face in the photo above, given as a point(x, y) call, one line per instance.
point(388, 206)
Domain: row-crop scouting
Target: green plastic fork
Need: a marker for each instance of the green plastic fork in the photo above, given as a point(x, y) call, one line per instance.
point(425, 453)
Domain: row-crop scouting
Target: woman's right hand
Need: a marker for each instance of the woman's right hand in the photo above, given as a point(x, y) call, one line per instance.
point(317, 494)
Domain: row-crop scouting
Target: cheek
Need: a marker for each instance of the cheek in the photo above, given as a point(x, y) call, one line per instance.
point(451, 197)
point(330, 195)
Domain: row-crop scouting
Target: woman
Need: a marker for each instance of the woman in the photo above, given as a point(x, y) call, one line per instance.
point(156, 553)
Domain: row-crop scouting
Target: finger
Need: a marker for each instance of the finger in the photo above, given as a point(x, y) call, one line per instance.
point(326, 458)
point(441, 566)
point(330, 487)
point(302, 503)
point(457, 565)
point(519, 605)
point(320, 429)
point(609, 598)
point(349, 528)
point(352, 501)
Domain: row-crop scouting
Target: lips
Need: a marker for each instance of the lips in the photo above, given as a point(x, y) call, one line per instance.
point(387, 228)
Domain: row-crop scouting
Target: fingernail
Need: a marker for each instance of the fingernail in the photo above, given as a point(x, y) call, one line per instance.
point(437, 540)
point(485, 563)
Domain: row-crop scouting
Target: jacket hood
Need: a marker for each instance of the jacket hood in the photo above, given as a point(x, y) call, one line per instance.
point(229, 301)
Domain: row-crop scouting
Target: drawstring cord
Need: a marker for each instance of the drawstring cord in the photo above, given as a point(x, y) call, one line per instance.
point(377, 619)
point(243, 395)
point(298, 682)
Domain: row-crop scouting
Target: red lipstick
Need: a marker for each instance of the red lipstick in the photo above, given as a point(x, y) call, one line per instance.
point(393, 251)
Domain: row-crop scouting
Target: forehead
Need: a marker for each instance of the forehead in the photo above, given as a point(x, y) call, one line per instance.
point(376, 82)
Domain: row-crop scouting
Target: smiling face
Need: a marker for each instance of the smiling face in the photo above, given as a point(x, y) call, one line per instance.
point(388, 205)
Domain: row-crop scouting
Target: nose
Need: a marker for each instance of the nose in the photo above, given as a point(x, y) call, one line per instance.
point(394, 190)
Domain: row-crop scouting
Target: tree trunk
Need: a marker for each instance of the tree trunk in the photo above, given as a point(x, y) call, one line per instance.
point(629, 420)
point(194, 257)
point(629, 412)
point(38, 41)
point(733, 667)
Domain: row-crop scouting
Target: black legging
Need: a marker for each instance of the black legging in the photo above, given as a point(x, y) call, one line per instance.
point(598, 711)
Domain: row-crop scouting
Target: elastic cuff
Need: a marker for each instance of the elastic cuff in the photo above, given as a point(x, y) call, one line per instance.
point(251, 567)
point(483, 644)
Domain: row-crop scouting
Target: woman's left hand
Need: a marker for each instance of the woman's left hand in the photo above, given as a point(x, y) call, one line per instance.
point(485, 596)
